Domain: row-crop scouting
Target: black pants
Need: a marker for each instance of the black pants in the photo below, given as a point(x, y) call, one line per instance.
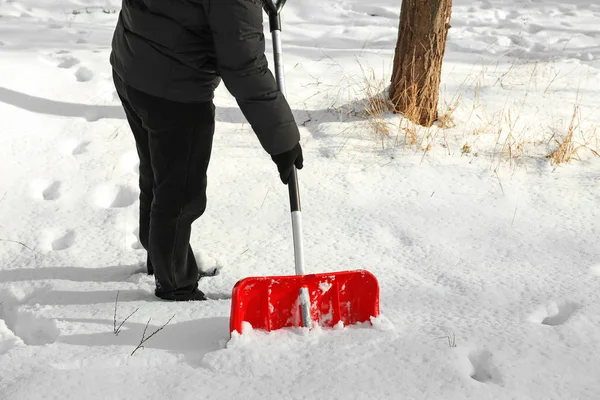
point(174, 142)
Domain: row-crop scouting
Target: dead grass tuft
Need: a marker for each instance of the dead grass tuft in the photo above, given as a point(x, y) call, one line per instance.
point(446, 118)
point(376, 104)
point(567, 148)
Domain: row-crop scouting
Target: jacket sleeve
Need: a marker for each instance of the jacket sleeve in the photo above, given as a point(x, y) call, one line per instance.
point(237, 29)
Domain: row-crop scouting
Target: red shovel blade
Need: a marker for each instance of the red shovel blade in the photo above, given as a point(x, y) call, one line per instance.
point(272, 302)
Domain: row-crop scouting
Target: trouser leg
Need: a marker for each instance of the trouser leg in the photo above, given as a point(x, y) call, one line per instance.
point(180, 158)
point(146, 175)
point(179, 143)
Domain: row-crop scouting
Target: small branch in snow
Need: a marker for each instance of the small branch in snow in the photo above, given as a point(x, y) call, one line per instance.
point(551, 82)
point(265, 199)
point(17, 242)
point(117, 330)
point(514, 215)
point(306, 121)
point(499, 182)
point(145, 339)
point(115, 133)
point(567, 42)
point(88, 10)
point(451, 340)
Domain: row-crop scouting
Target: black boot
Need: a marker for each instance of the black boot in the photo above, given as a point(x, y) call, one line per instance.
point(194, 295)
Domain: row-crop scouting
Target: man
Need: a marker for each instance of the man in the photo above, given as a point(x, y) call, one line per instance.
point(168, 57)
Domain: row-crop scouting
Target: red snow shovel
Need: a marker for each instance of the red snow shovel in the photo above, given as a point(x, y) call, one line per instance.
point(274, 302)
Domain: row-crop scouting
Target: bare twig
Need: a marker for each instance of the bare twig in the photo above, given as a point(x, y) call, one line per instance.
point(513, 218)
point(116, 329)
point(115, 133)
point(145, 339)
point(567, 42)
point(88, 10)
point(265, 199)
point(499, 181)
point(17, 242)
point(451, 340)
point(551, 82)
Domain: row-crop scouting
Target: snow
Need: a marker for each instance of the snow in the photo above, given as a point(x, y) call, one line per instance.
point(487, 254)
point(324, 287)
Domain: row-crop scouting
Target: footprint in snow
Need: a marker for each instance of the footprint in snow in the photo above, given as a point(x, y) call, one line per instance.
point(52, 192)
point(513, 15)
point(534, 28)
point(68, 62)
point(484, 370)
point(83, 35)
point(73, 147)
point(84, 74)
point(80, 148)
point(30, 328)
point(486, 5)
point(110, 196)
point(45, 190)
point(555, 314)
point(64, 242)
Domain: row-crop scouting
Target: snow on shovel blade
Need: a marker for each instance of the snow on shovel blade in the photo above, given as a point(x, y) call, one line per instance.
point(272, 302)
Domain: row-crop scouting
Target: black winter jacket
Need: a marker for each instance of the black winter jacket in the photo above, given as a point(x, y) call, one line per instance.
point(180, 50)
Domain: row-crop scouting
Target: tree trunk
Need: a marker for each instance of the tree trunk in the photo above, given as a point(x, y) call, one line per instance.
point(420, 49)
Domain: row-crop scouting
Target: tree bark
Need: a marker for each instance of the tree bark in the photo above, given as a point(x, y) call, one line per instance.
point(420, 48)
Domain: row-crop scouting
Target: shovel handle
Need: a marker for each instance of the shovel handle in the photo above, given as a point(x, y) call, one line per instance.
point(274, 6)
point(280, 77)
point(294, 190)
point(273, 9)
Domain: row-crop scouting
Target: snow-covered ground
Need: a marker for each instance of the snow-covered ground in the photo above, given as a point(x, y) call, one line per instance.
point(487, 254)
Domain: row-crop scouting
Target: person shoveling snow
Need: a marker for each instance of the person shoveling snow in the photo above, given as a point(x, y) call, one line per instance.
point(165, 74)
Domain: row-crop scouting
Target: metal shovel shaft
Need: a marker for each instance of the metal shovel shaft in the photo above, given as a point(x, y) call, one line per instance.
point(292, 185)
point(278, 58)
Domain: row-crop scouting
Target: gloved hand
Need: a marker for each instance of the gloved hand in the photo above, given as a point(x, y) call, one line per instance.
point(286, 161)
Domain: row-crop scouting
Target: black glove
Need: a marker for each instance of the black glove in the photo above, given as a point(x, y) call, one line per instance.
point(286, 161)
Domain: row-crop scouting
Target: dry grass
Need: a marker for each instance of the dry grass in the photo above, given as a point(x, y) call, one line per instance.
point(376, 108)
point(446, 117)
point(411, 108)
point(513, 146)
point(567, 149)
point(375, 103)
point(509, 135)
point(410, 114)
point(487, 126)
point(411, 136)
point(466, 149)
